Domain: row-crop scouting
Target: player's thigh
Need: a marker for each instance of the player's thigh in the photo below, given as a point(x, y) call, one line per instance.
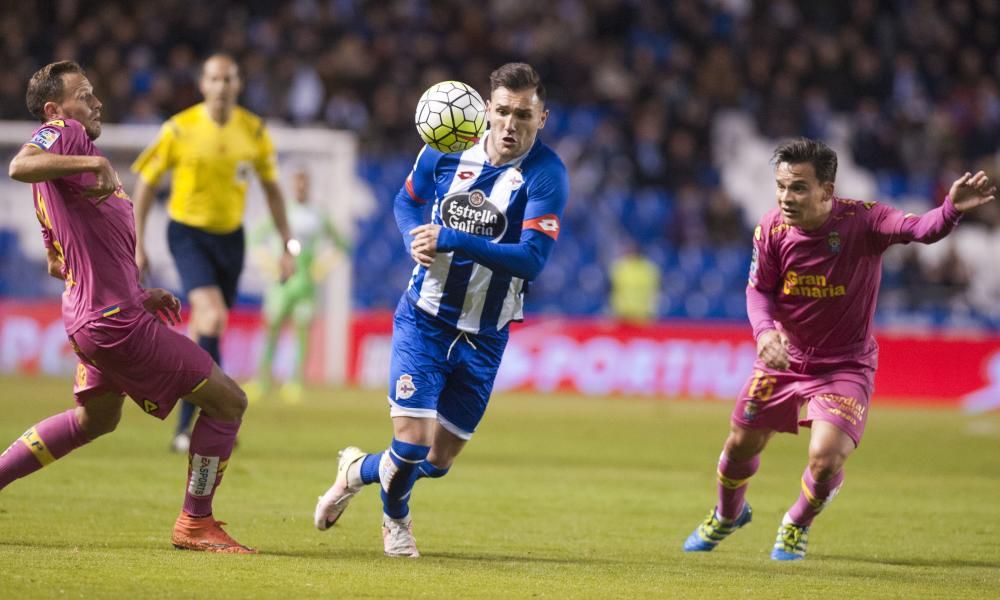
point(228, 253)
point(144, 358)
point(219, 397)
point(192, 257)
point(418, 365)
point(841, 400)
point(469, 386)
point(769, 400)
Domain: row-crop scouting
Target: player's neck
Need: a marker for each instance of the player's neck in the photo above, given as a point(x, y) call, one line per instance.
point(819, 221)
point(220, 115)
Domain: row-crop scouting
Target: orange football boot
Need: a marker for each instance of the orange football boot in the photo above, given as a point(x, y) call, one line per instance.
point(206, 535)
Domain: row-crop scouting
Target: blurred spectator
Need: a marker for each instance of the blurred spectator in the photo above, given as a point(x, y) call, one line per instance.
point(635, 286)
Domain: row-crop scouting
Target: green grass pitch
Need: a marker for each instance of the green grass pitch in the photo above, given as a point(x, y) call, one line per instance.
point(557, 496)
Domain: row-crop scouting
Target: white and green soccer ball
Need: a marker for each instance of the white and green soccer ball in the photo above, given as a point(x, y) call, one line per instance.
point(451, 116)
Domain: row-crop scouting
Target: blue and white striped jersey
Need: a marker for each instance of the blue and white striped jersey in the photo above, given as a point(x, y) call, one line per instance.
point(519, 203)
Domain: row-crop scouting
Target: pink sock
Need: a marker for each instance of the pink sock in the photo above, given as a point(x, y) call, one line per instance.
point(814, 496)
point(47, 441)
point(211, 444)
point(733, 481)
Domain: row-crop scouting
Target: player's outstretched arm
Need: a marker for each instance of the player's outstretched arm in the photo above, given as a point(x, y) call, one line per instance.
point(970, 191)
point(276, 204)
point(32, 165)
point(967, 192)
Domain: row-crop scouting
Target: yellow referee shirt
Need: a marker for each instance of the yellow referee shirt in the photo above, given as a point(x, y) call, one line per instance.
point(211, 165)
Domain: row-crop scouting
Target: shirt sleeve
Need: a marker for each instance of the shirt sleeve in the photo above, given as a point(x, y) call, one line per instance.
point(893, 226)
point(58, 137)
point(158, 157)
point(762, 283)
point(266, 163)
point(547, 199)
point(417, 190)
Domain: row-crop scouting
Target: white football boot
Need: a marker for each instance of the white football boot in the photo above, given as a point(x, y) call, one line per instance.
point(334, 502)
point(397, 537)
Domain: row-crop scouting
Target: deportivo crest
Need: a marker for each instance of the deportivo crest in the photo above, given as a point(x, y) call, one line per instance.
point(472, 212)
point(45, 137)
point(477, 198)
point(833, 241)
point(404, 387)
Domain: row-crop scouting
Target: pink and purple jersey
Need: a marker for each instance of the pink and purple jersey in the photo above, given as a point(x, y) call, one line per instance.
point(820, 286)
point(94, 237)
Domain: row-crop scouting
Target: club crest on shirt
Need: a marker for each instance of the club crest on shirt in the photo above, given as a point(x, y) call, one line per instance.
point(45, 137)
point(404, 387)
point(515, 178)
point(477, 198)
point(833, 241)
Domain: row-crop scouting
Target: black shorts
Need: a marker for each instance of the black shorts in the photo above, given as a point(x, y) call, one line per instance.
point(207, 259)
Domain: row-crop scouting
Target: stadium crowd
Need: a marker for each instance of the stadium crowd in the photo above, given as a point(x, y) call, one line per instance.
point(634, 87)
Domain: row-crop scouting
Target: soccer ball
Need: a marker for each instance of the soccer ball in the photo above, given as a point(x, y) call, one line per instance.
point(451, 116)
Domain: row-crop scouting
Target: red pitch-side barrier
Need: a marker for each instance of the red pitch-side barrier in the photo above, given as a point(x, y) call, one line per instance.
point(593, 356)
point(589, 356)
point(33, 340)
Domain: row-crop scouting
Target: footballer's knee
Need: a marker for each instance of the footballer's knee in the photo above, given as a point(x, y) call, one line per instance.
point(211, 321)
point(234, 403)
point(824, 465)
point(208, 311)
point(744, 444)
point(220, 398)
point(100, 416)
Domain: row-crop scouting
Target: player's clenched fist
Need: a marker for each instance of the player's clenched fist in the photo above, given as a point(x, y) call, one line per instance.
point(423, 248)
point(772, 348)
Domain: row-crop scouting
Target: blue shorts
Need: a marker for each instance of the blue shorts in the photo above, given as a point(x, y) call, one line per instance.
point(437, 371)
point(207, 259)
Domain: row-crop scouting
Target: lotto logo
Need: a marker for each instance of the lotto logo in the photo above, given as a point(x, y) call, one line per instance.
point(549, 224)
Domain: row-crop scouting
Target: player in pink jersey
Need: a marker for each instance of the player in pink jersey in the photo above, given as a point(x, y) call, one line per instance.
point(814, 278)
point(117, 329)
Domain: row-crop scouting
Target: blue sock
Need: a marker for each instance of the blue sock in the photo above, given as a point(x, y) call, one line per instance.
point(398, 479)
point(426, 469)
point(210, 344)
point(369, 468)
point(184, 417)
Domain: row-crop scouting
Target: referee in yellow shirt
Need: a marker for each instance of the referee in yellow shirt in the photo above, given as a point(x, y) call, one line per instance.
point(211, 148)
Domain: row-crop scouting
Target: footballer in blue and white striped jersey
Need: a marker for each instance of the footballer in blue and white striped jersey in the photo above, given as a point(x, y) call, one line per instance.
point(495, 218)
point(520, 201)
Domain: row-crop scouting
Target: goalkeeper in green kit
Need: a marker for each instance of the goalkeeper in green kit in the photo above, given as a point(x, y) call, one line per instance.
point(295, 298)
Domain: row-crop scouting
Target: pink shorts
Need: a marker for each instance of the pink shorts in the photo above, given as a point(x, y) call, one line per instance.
point(132, 353)
point(836, 389)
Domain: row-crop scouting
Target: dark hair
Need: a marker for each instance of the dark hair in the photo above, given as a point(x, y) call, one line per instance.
point(516, 77)
point(46, 85)
point(804, 150)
